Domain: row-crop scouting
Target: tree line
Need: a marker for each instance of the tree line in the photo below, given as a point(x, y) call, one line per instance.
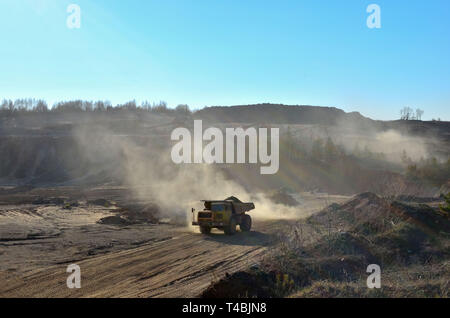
point(407, 113)
point(31, 105)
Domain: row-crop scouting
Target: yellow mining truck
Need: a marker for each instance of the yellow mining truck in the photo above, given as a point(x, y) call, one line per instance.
point(224, 215)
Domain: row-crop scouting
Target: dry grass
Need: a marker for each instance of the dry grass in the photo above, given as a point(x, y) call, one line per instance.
point(327, 254)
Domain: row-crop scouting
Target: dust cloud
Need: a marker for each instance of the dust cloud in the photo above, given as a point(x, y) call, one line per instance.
point(145, 166)
point(374, 137)
point(394, 144)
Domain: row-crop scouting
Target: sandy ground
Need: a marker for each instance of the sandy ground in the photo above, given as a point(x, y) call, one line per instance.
point(37, 243)
point(174, 266)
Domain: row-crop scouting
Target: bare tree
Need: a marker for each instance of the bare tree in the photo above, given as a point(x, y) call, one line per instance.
point(407, 113)
point(419, 114)
point(160, 108)
point(41, 106)
point(183, 109)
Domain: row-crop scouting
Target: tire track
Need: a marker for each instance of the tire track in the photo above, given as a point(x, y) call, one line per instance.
point(179, 267)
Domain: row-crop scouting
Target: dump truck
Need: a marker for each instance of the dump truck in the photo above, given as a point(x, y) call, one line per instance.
point(224, 215)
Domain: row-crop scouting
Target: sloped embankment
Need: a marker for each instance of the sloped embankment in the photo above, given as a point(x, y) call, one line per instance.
point(327, 254)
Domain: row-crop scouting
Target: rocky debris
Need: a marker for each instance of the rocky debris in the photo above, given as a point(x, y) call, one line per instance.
point(140, 212)
point(114, 220)
point(128, 214)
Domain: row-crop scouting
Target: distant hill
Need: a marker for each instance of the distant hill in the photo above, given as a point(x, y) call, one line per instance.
point(279, 114)
point(58, 147)
point(319, 115)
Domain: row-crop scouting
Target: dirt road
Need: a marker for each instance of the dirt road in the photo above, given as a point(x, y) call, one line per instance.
point(39, 240)
point(179, 266)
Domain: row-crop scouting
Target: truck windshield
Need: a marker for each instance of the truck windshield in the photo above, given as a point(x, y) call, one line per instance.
point(217, 207)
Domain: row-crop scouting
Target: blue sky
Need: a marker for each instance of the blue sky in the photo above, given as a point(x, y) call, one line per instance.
point(230, 52)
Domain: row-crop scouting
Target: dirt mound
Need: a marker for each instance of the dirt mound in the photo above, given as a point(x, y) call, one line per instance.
point(283, 197)
point(326, 289)
point(343, 243)
point(383, 230)
point(367, 211)
point(280, 283)
point(137, 213)
point(128, 214)
point(336, 268)
point(367, 229)
point(369, 214)
point(114, 220)
point(140, 212)
point(406, 244)
point(423, 216)
point(243, 284)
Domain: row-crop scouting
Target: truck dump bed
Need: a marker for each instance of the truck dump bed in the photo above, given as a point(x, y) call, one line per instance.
point(238, 206)
point(241, 207)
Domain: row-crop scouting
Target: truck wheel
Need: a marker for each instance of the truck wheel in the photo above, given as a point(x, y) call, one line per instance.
point(231, 228)
point(205, 229)
point(246, 223)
